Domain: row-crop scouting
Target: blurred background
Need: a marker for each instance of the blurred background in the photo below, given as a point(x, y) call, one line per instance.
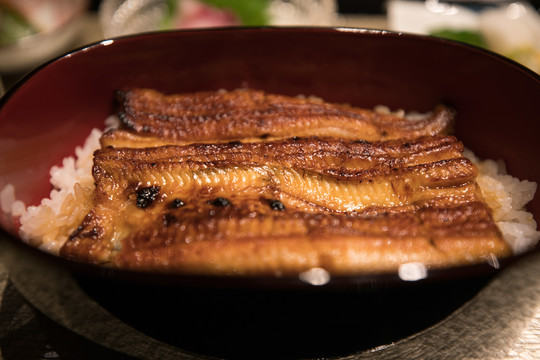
point(34, 31)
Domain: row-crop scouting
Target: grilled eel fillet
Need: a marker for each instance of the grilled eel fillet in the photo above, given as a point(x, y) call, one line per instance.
point(284, 206)
point(150, 118)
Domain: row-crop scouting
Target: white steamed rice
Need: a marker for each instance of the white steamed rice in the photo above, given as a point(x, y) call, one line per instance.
point(507, 196)
point(49, 224)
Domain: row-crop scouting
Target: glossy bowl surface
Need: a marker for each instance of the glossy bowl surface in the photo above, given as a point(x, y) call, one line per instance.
point(50, 112)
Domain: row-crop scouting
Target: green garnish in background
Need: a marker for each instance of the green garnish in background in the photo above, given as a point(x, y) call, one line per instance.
point(13, 26)
point(466, 36)
point(249, 12)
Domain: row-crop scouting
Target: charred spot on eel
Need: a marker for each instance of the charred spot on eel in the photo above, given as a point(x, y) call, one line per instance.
point(146, 196)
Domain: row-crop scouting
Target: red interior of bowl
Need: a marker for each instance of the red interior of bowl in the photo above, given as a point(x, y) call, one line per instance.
point(53, 110)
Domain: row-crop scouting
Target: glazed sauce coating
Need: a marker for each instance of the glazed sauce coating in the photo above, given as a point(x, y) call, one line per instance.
point(249, 183)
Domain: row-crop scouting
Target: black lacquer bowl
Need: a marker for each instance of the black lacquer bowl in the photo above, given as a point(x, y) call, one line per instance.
point(52, 110)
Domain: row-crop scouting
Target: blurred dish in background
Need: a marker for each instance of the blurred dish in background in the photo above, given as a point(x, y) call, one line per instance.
point(32, 31)
point(508, 27)
point(122, 17)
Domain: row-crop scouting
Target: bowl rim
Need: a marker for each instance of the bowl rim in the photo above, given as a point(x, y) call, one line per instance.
point(327, 29)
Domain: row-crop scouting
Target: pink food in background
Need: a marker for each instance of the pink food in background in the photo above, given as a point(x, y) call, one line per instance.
point(195, 14)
